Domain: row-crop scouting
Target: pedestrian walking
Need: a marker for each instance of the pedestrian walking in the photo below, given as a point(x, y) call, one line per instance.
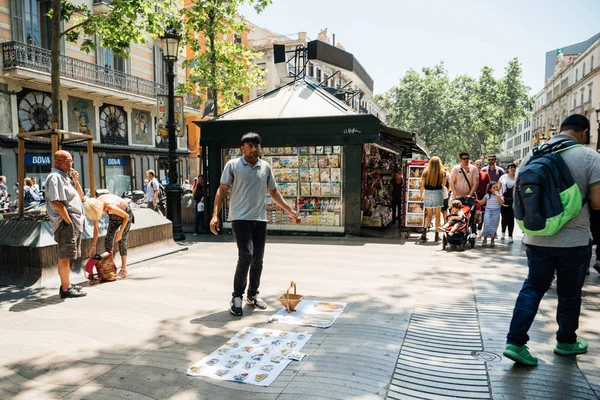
point(120, 218)
point(65, 209)
point(432, 182)
point(484, 181)
point(492, 169)
point(395, 192)
point(507, 186)
point(491, 218)
point(250, 178)
point(566, 252)
point(198, 193)
point(152, 191)
point(464, 180)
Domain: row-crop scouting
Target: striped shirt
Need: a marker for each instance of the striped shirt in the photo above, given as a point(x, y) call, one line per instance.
point(60, 188)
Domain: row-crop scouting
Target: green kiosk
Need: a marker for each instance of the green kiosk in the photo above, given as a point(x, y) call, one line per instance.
point(314, 142)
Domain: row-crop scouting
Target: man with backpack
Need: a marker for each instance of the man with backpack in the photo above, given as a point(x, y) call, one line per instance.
point(554, 190)
point(152, 190)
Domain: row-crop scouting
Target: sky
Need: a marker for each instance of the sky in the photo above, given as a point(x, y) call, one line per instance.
point(389, 37)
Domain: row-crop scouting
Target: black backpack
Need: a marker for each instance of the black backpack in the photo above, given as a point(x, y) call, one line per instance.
point(546, 196)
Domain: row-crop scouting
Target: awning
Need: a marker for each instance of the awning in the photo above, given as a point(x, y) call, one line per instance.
point(402, 141)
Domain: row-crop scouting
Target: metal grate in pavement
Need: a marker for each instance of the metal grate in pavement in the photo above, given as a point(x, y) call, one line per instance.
point(441, 356)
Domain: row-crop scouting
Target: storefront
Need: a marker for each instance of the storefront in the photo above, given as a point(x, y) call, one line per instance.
point(117, 174)
point(38, 166)
point(315, 146)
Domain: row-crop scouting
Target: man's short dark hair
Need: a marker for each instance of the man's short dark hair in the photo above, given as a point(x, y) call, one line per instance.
point(576, 123)
point(464, 153)
point(492, 156)
point(251, 137)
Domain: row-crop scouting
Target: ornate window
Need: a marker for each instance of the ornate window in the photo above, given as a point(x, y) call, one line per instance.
point(35, 109)
point(113, 125)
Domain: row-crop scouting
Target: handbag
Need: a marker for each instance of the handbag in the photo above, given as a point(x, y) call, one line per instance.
point(105, 268)
point(200, 207)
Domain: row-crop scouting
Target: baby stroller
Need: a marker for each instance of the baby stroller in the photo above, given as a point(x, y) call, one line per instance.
point(467, 233)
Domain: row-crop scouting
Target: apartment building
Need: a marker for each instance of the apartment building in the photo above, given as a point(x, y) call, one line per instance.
point(110, 97)
point(572, 87)
point(353, 86)
point(517, 142)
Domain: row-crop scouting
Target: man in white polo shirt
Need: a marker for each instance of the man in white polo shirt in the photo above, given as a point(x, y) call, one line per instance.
point(250, 178)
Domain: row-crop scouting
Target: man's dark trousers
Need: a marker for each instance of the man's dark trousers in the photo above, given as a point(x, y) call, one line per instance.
point(250, 237)
point(570, 264)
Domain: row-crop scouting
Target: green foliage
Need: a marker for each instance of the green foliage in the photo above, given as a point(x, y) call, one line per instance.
point(128, 21)
point(219, 64)
point(460, 114)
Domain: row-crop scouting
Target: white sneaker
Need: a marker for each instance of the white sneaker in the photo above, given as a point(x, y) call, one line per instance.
point(510, 239)
point(502, 237)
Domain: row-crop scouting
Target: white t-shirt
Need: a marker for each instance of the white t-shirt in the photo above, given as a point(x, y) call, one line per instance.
point(151, 188)
point(507, 183)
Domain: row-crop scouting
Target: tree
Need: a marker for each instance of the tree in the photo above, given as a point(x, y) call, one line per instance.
point(223, 66)
point(128, 21)
point(460, 114)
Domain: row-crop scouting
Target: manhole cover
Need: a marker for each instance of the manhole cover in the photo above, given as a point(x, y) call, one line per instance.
point(486, 356)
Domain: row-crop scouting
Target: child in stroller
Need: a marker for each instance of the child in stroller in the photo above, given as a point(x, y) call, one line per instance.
point(456, 220)
point(458, 230)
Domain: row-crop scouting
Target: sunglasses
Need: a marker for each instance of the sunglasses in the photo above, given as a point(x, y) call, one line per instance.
point(465, 158)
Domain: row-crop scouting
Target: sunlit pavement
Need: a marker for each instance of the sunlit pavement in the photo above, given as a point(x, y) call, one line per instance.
point(420, 323)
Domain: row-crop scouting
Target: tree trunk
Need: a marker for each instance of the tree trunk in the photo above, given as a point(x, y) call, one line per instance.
point(55, 61)
point(213, 61)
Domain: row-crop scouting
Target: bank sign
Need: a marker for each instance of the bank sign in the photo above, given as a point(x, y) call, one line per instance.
point(38, 159)
point(115, 162)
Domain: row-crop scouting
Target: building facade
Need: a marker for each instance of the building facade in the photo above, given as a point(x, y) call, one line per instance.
point(517, 142)
point(112, 98)
point(353, 88)
point(572, 87)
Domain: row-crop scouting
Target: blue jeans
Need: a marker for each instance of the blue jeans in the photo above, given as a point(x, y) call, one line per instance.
point(570, 265)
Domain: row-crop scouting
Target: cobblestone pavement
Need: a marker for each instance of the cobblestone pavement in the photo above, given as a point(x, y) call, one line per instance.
point(420, 323)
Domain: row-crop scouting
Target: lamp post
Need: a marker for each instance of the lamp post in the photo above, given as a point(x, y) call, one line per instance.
point(170, 45)
point(598, 120)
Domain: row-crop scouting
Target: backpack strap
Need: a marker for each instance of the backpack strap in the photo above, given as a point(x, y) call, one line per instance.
point(467, 179)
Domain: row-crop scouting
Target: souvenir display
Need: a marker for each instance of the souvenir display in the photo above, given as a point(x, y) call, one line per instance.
point(378, 169)
point(301, 177)
point(254, 355)
point(319, 314)
point(413, 203)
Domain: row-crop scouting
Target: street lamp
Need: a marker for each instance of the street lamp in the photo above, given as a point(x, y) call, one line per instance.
point(598, 120)
point(170, 45)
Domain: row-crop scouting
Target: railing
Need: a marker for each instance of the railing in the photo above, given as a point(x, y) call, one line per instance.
point(21, 55)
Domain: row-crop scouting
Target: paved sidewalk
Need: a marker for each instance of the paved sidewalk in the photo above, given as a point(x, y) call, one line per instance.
point(135, 338)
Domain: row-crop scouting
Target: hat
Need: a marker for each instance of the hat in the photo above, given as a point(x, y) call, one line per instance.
point(576, 120)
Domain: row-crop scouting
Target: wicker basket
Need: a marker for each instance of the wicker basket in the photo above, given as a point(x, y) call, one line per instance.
point(290, 301)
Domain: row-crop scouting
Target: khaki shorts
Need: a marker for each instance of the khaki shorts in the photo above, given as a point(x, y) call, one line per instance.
point(69, 241)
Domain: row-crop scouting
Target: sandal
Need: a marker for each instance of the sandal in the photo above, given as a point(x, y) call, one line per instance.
point(122, 274)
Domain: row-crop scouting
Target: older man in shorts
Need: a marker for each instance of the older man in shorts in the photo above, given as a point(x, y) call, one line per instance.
point(65, 209)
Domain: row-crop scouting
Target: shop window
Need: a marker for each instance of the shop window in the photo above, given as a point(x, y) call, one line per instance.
point(310, 178)
point(117, 174)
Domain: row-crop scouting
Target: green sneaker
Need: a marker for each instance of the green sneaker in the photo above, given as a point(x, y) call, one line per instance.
point(520, 354)
point(568, 349)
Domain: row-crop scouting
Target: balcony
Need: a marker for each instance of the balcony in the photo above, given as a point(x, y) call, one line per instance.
point(102, 6)
point(20, 55)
